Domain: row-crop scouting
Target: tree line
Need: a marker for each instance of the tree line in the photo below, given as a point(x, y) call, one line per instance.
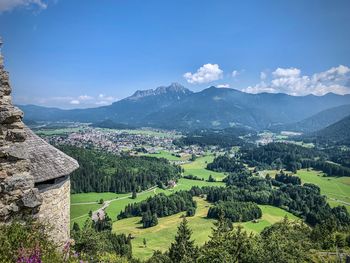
point(225, 138)
point(285, 241)
point(224, 163)
point(293, 157)
point(106, 172)
point(160, 205)
point(235, 211)
point(304, 201)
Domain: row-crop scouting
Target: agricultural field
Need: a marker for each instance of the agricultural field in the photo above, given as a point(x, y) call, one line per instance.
point(270, 216)
point(60, 131)
point(337, 189)
point(160, 236)
point(147, 132)
point(81, 204)
point(167, 155)
point(198, 168)
point(93, 197)
point(78, 211)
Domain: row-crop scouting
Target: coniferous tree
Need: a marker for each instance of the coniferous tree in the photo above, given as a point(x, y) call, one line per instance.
point(183, 249)
point(134, 194)
point(76, 227)
point(229, 245)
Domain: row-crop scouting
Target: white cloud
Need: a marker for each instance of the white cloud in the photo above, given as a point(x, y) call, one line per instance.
point(8, 5)
point(83, 101)
point(263, 75)
point(85, 97)
point(206, 73)
point(286, 72)
point(223, 85)
point(74, 102)
point(234, 73)
point(290, 81)
point(106, 99)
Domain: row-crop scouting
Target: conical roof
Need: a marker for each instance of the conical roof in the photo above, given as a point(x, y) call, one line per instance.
point(46, 161)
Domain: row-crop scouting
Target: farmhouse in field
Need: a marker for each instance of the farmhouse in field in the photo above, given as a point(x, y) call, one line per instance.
point(171, 184)
point(34, 176)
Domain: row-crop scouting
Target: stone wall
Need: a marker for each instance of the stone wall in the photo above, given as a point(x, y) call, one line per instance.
point(34, 176)
point(19, 199)
point(55, 208)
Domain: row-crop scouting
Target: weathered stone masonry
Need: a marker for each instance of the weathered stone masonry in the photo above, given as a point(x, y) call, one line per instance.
point(34, 176)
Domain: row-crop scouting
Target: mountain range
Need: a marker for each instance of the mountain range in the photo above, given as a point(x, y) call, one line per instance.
point(175, 106)
point(318, 121)
point(337, 132)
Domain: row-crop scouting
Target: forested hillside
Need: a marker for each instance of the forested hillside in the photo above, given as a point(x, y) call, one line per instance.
point(337, 133)
point(104, 172)
point(318, 121)
point(291, 157)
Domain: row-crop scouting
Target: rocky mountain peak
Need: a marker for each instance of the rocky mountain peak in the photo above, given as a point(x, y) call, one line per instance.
point(174, 88)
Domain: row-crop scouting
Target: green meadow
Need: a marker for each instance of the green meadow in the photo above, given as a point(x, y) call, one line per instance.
point(166, 155)
point(160, 236)
point(147, 132)
point(60, 131)
point(198, 168)
point(80, 211)
point(81, 204)
point(270, 215)
point(337, 189)
point(94, 197)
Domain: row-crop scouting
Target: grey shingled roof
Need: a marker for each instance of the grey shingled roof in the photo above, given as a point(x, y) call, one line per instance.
point(47, 162)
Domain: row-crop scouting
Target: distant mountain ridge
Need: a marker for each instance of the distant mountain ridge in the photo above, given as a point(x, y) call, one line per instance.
point(175, 106)
point(318, 121)
point(335, 133)
point(174, 88)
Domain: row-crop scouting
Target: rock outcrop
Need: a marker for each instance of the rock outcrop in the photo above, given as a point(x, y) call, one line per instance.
point(19, 199)
point(34, 176)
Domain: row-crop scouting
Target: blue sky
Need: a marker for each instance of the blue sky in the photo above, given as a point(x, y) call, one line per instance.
point(86, 53)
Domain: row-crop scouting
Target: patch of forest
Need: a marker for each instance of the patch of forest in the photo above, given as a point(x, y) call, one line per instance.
point(106, 172)
point(235, 211)
point(160, 205)
point(304, 201)
point(290, 157)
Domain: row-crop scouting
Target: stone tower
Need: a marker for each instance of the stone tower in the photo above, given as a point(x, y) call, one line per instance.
point(34, 176)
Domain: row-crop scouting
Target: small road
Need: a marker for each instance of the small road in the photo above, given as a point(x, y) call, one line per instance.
point(107, 203)
point(339, 201)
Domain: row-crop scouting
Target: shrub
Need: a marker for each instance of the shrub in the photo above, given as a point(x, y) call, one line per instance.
point(27, 242)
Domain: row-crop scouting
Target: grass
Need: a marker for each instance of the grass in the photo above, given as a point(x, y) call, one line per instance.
point(337, 189)
point(93, 197)
point(166, 155)
point(60, 131)
point(80, 210)
point(183, 184)
point(270, 216)
point(147, 132)
point(160, 236)
point(198, 168)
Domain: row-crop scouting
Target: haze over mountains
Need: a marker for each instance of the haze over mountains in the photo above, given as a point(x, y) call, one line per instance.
point(336, 133)
point(175, 106)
